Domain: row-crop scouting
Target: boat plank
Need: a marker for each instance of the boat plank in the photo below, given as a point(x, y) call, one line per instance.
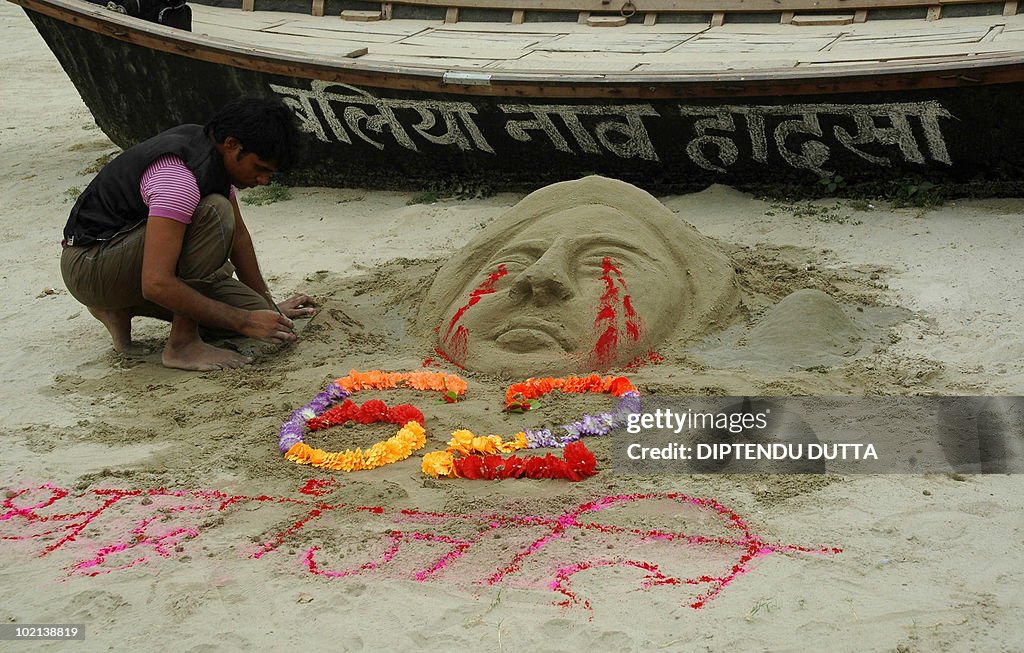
point(903, 54)
point(611, 42)
point(339, 31)
point(403, 50)
point(776, 30)
point(573, 28)
point(711, 66)
point(507, 40)
point(682, 60)
point(240, 20)
point(550, 62)
point(852, 41)
point(337, 45)
point(428, 62)
point(715, 43)
point(903, 63)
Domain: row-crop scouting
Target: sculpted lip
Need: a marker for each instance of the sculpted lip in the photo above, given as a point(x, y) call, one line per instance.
point(529, 333)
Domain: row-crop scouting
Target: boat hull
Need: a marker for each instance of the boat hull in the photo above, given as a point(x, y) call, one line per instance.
point(367, 135)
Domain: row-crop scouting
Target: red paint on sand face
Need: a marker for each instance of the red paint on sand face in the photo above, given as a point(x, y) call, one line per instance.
point(632, 320)
point(650, 358)
point(430, 362)
point(458, 345)
point(455, 339)
point(118, 530)
point(606, 348)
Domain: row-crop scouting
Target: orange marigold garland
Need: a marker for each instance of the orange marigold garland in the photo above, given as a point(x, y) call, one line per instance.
point(449, 384)
point(520, 396)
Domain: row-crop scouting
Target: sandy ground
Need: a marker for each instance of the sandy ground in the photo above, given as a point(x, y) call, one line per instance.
point(152, 505)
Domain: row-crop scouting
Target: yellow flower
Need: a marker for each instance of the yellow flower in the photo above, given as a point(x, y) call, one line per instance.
point(462, 441)
point(317, 457)
point(394, 451)
point(483, 444)
point(350, 461)
point(439, 463)
point(299, 452)
point(520, 441)
point(418, 434)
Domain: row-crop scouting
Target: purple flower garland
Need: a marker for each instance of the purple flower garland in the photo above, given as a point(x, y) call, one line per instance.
point(292, 430)
point(600, 424)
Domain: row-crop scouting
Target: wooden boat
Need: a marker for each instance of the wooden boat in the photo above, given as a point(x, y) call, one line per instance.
point(667, 94)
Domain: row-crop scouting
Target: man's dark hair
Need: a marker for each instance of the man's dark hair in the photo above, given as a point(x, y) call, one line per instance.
point(264, 126)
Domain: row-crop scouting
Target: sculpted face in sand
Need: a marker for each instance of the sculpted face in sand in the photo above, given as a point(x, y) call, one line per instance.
point(579, 276)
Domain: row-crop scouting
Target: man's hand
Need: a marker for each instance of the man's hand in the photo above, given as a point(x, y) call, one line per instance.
point(297, 306)
point(268, 326)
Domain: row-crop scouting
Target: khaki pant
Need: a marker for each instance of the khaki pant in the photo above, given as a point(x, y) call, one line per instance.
point(108, 275)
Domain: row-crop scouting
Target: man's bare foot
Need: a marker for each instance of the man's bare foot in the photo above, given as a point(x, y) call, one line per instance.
point(198, 356)
point(119, 324)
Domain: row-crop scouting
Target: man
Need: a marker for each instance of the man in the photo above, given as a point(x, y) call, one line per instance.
point(159, 233)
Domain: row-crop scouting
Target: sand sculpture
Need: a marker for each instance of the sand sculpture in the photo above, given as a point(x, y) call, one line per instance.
point(578, 276)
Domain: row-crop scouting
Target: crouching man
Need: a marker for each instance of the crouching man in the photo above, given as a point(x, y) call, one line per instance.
point(159, 233)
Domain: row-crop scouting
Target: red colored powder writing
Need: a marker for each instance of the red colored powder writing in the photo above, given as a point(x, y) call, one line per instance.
point(163, 523)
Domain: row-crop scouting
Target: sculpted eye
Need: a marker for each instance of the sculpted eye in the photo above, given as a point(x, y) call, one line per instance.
point(596, 260)
point(513, 262)
point(594, 257)
point(592, 260)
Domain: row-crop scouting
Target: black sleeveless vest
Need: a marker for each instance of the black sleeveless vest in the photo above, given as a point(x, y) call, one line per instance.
point(112, 203)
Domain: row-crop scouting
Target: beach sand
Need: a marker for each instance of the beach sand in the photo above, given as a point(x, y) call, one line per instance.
point(153, 506)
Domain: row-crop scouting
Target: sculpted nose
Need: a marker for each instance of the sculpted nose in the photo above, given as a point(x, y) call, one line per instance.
point(546, 281)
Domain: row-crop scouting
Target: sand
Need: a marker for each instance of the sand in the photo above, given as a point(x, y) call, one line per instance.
point(167, 520)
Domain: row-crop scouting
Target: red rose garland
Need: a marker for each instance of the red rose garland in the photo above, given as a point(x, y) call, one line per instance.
point(370, 412)
point(578, 464)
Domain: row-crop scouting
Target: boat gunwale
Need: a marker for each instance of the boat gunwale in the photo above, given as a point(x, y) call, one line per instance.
point(996, 68)
point(665, 6)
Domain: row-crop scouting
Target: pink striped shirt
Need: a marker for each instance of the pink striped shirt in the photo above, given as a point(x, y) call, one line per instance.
point(170, 190)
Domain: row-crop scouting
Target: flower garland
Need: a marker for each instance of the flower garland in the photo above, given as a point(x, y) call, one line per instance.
point(372, 411)
point(400, 446)
point(519, 395)
point(465, 443)
point(290, 433)
point(588, 425)
point(578, 463)
point(451, 385)
point(462, 459)
point(522, 397)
